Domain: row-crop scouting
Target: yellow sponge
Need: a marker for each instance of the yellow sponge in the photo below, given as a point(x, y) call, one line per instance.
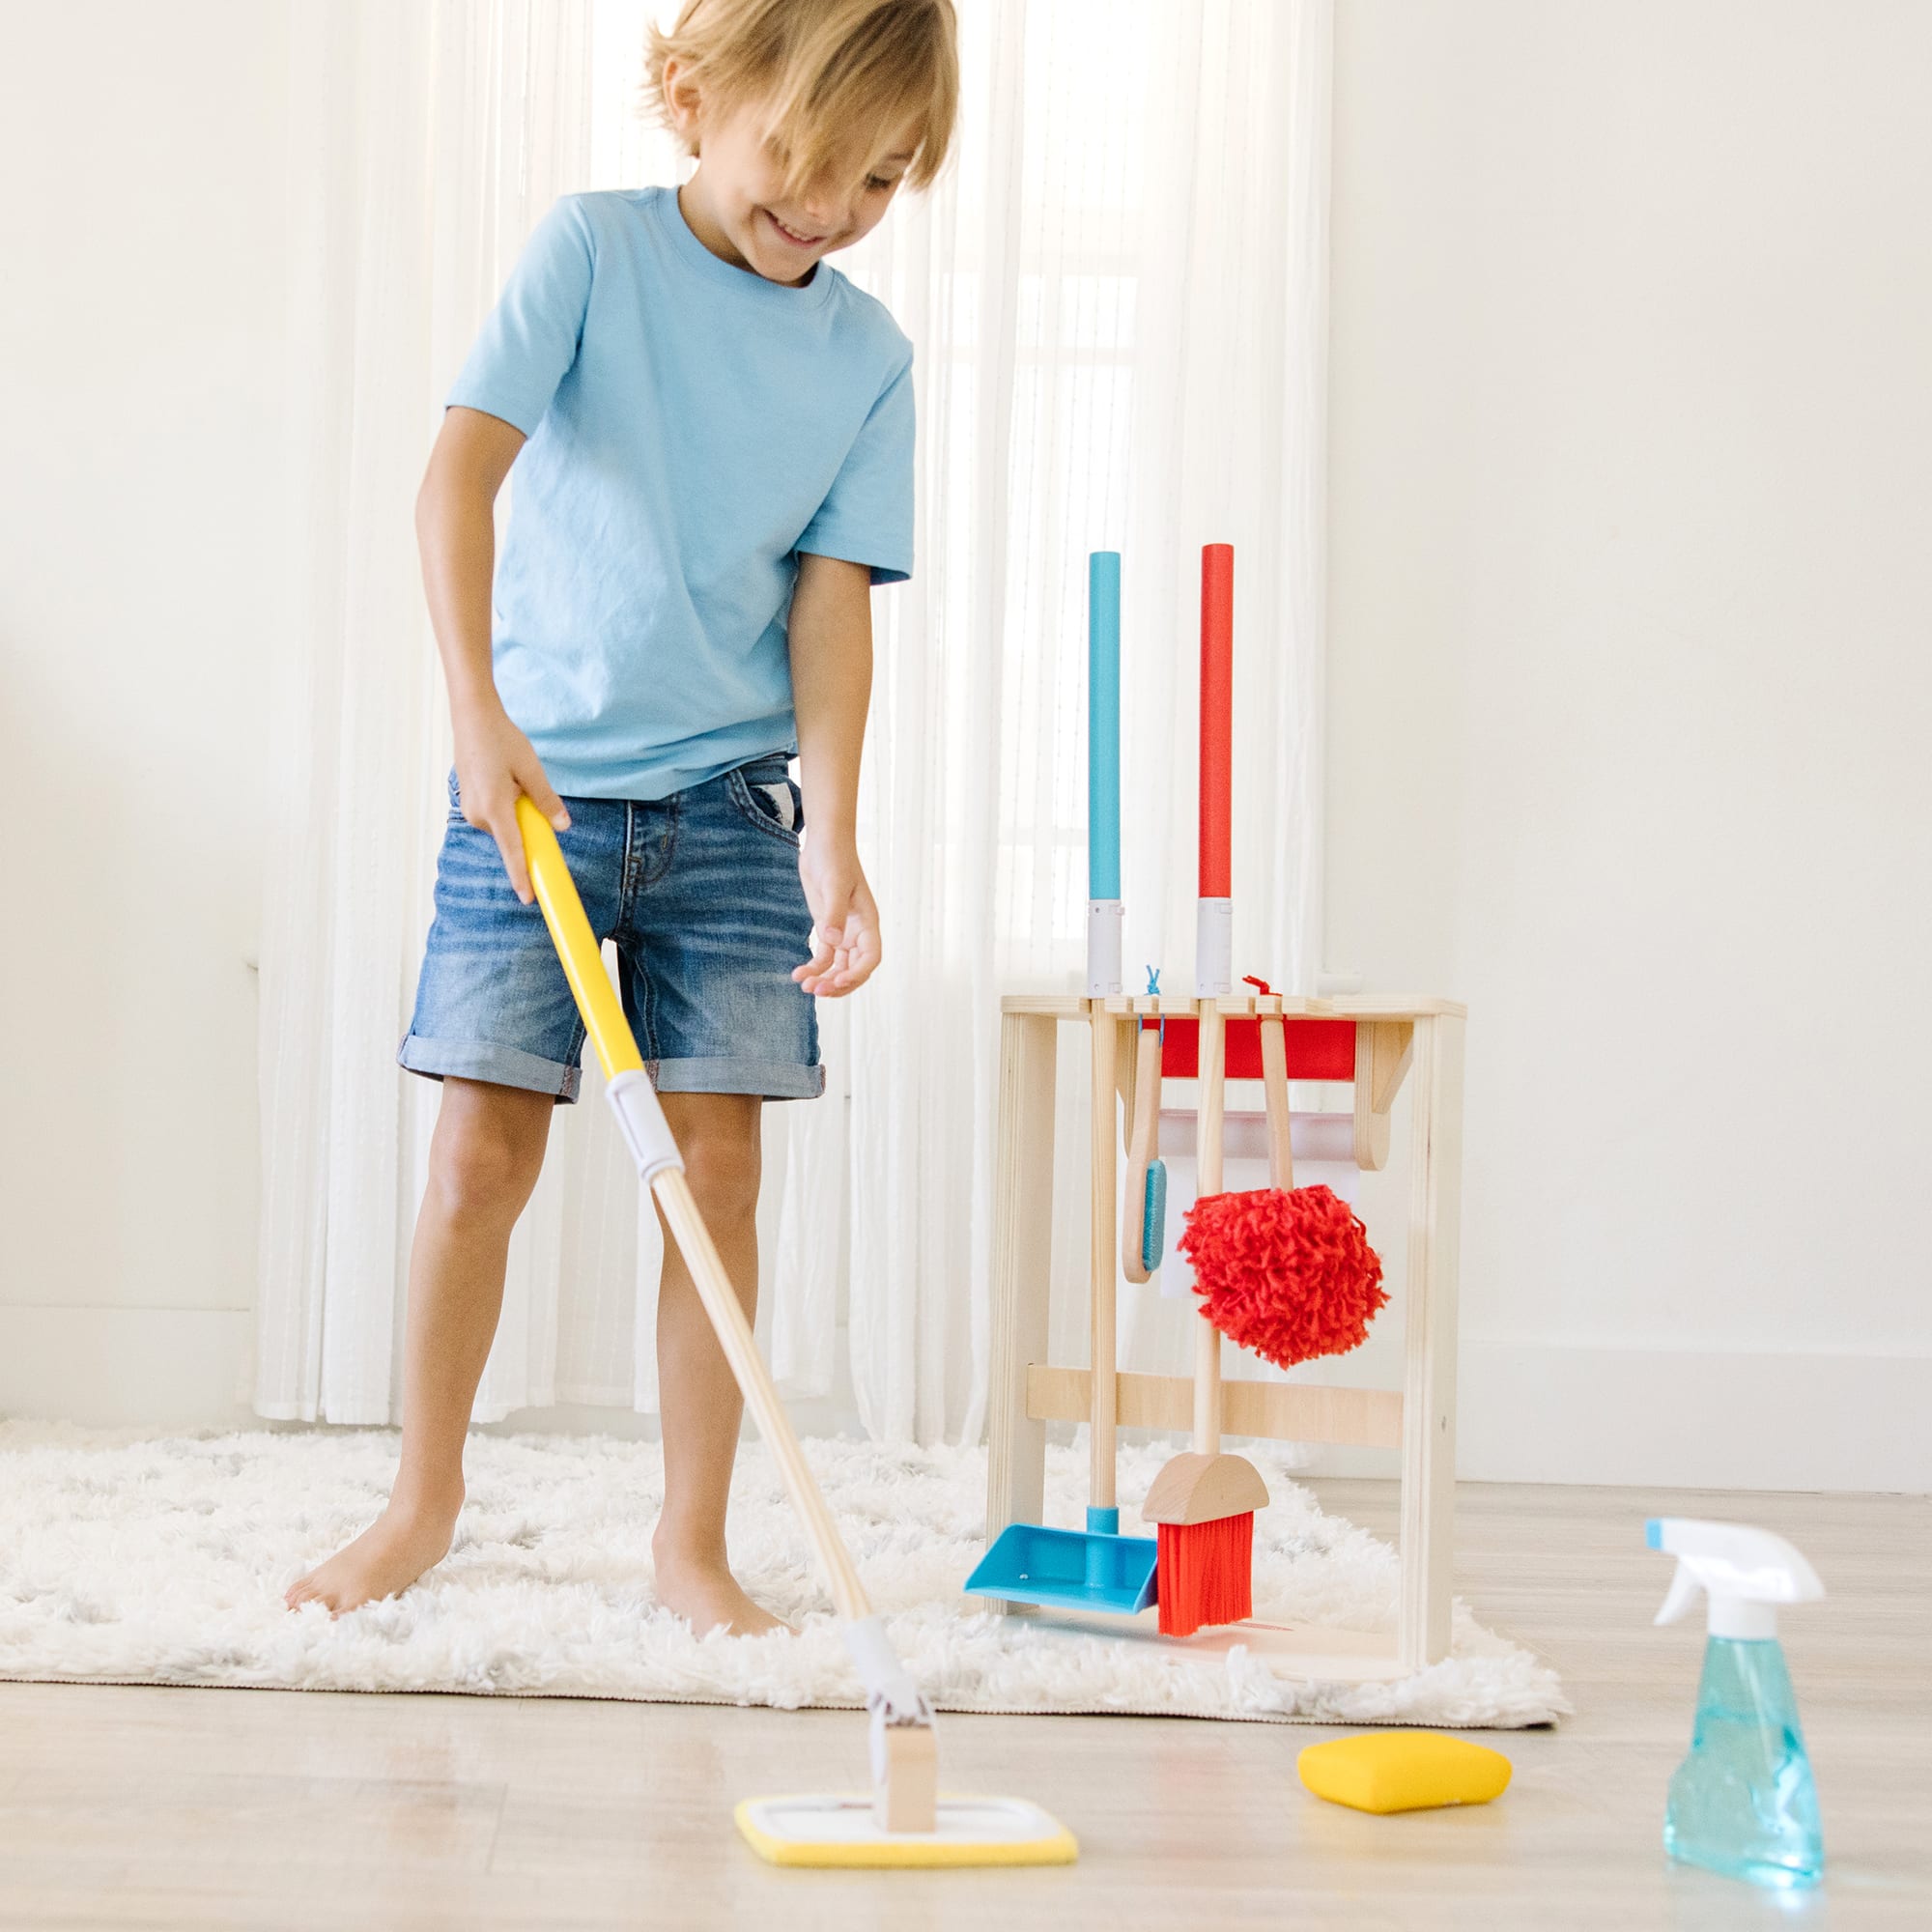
point(1403, 1770)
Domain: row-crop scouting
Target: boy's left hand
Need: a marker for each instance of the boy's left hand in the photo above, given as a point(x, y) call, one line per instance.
point(845, 920)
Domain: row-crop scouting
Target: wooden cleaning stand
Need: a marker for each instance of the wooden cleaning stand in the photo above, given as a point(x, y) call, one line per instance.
point(1394, 1039)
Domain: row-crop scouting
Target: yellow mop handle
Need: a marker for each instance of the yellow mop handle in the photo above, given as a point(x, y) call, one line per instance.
point(576, 946)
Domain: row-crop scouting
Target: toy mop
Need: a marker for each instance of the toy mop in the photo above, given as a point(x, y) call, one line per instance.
point(904, 1822)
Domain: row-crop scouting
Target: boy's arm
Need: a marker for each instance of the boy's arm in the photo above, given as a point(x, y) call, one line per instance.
point(456, 534)
point(831, 639)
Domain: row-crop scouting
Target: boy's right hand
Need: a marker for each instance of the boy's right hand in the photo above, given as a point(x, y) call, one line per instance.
point(494, 765)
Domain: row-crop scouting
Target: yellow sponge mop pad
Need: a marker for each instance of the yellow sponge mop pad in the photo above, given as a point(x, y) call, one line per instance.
point(1403, 1770)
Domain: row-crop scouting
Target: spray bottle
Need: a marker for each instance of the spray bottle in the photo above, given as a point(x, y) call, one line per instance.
point(1743, 1803)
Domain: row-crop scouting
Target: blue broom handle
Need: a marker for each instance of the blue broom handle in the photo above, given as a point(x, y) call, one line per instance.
point(1103, 725)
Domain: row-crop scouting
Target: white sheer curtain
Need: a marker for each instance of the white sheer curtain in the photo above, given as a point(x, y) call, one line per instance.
point(1117, 294)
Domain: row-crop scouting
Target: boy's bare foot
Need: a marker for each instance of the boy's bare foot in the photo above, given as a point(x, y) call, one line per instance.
point(383, 1561)
point(707, 1596)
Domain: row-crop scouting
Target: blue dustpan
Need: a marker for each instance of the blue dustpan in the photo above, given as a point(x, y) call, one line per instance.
point(1095, 1569)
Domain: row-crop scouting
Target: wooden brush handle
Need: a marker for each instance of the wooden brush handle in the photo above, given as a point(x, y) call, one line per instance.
point(1208, 1339)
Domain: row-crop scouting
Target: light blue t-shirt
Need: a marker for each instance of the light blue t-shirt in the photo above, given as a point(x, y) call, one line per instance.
point(692, 427)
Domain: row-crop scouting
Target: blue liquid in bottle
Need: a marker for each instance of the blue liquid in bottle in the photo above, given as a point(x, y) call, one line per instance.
point(1743, 1803)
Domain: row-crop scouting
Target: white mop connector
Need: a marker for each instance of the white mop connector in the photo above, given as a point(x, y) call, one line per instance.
point(641, 1120)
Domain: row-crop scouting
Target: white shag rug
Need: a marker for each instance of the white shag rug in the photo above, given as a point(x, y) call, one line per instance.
point(135, 1558)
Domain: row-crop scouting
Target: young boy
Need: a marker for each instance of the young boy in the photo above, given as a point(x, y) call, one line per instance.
point(717, 468)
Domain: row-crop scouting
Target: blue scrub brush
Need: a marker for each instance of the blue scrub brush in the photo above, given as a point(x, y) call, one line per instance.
point(1144, 1208)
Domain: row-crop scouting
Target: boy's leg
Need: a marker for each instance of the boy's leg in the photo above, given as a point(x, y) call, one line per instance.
point(698, 1396)
point(484, 1160)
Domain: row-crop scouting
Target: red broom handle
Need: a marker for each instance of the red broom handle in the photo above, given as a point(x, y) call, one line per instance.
point(1217, 720)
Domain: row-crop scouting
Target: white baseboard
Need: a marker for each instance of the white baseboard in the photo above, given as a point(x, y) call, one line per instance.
point(1526, 1413)
point(1530, 1413)
point(178, 1367)
point(811, 1415)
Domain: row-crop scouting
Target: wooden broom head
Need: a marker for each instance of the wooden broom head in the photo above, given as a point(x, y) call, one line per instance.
point(1197, 1488)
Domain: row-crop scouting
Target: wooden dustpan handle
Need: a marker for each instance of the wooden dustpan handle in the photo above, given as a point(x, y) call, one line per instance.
point(1212, 1095)
point(1102, 1389)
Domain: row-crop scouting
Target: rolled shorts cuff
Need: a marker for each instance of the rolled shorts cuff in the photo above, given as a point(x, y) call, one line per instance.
point(768, 1079)
point(486, 1060)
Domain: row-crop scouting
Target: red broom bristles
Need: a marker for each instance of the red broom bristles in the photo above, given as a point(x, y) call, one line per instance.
point(1204, 1573)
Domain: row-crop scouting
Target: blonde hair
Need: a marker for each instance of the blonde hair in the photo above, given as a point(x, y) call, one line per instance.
point(822, 68)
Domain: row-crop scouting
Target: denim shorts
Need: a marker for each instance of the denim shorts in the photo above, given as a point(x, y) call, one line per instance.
point(700, 892)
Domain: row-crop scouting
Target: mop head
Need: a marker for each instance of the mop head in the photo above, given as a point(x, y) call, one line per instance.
point(1288, 1275)
point(842, 1831)
point(885, 1829)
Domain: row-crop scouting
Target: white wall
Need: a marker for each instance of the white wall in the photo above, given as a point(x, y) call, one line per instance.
point(140, 384)
point(1631, 691)
point(1630, 595)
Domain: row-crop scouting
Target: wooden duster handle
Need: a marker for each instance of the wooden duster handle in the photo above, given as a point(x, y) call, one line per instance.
point(1208, 1337)
point(1105, 1044)
point(1274, 1090)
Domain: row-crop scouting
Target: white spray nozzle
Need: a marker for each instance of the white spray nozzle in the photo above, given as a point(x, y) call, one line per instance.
point(1746, 1572)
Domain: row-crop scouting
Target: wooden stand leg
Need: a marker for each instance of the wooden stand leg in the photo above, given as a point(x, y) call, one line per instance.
point(1022, 1257)
point(1428, 1381)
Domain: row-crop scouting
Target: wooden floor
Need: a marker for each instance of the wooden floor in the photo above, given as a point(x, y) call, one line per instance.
point(242, 1808)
